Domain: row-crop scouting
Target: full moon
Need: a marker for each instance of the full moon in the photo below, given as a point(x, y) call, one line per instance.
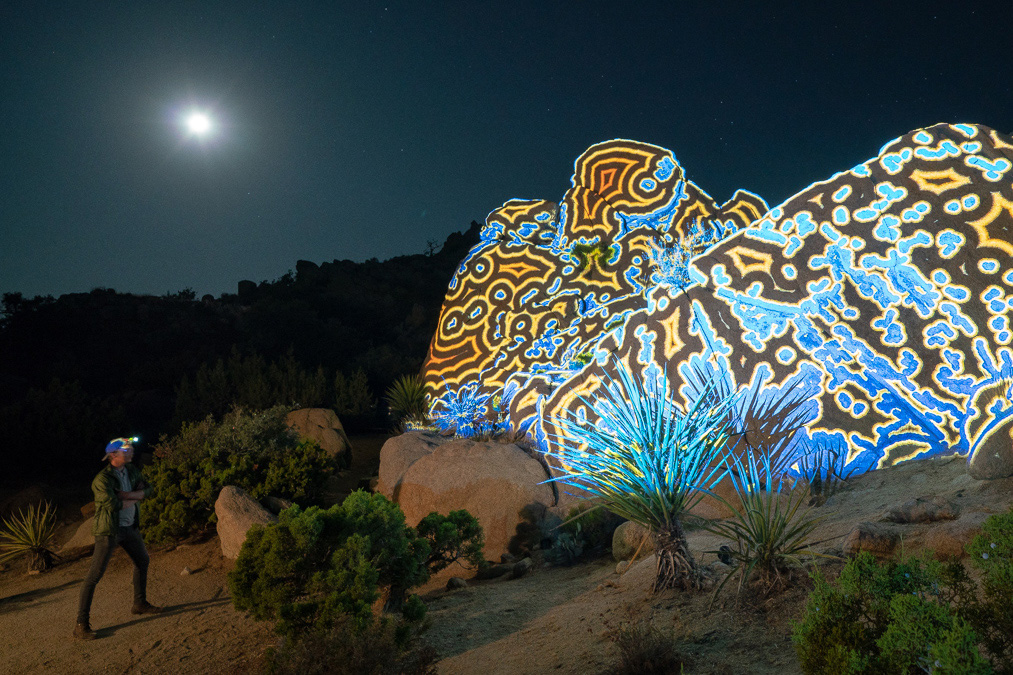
point(198, 123)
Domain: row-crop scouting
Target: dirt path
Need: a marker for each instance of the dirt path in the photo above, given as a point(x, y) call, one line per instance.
point(199, 632)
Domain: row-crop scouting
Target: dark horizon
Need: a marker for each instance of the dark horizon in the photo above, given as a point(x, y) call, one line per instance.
point(352, 131)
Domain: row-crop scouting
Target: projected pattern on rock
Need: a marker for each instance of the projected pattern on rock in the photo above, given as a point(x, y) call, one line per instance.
point(885, 291)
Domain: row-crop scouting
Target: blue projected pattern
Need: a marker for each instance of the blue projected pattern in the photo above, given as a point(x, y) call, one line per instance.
point(885, 292)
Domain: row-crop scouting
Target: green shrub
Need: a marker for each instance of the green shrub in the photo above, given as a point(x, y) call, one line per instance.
point(593, 524)
point(384, 646)
point(30, 534)
point(456, 536)
point(992, 613)
point(586, 532)
point(314, 566)
point(895, 617)
point(252, 450)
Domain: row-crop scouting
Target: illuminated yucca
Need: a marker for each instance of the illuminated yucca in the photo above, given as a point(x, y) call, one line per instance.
point(770, 525)
point(649, 461)
point(30, 533)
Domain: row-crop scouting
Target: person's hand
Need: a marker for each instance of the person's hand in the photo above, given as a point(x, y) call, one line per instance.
point(135, 496)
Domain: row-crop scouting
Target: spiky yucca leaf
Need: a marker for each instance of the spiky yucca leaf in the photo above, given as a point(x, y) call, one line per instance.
point(30, 533)
point(646, 460)
point(770, 528)
point(407, 398)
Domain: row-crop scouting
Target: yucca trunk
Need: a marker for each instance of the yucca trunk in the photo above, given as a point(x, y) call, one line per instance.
point(676, 567)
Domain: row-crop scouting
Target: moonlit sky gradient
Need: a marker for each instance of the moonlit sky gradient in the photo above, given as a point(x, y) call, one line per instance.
point(360, 129)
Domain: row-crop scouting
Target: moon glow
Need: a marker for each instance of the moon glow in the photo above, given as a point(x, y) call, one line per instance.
point(198, 123)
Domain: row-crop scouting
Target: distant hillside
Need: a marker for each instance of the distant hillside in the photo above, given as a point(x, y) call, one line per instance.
point(82, 368)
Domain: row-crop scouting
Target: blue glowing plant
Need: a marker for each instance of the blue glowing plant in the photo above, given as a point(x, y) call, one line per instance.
point(648, 461)
point(466, 412)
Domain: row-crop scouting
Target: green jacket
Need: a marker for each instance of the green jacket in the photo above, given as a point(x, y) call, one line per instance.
point(107, 504)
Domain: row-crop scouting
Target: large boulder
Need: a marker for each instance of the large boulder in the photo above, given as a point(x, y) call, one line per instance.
point(81, 543)
point(323, 426)
point(996, 461)
point(493, 481)
point(237, 512)
point(399, 453)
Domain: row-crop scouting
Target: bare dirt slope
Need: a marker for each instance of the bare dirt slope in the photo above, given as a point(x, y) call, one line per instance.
point(552, 620)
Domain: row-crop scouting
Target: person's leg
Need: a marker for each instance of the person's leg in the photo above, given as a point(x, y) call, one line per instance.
point(132, 542)
point(99, 559)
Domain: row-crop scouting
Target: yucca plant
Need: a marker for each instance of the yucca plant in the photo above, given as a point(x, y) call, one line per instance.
point(770, 526)
point(31, 534)
point(407, 400)
point(648, 461)
point(824, 470)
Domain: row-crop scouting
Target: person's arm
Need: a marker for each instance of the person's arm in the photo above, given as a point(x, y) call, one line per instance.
point(105, 493)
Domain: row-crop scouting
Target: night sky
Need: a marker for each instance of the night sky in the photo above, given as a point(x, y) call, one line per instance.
point(359, 129)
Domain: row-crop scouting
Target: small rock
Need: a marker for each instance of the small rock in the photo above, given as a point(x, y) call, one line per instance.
point(455, 583)
point(923, 510)
point(33, 572)
point(521, 567)
point(948, 539)
point(493, 571)
point(186, 571)
point(879, 540)
point(623, 565)
point(629, 537)
point(508, 558)
point(275, 504)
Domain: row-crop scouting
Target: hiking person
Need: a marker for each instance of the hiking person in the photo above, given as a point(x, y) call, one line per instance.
point(117, 489)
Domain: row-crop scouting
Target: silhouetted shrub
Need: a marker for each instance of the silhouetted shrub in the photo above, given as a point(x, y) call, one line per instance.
point(384, 646)
point(251, 382)
point(252, 450)
point(646, 650)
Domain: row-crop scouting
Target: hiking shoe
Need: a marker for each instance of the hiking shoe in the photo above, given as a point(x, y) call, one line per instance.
point(83, 631)
point(145, 608)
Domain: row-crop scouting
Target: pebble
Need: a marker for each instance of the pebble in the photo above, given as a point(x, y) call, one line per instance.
point(185, 572)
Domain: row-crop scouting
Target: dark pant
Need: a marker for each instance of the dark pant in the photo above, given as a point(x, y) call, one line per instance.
point(130, 539)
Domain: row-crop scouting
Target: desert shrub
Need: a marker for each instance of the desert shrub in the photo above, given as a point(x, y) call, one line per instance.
point(252, 450)
point(30, 534)
point(250, 381)
point(452, 538)
point(537, 529)
point(991, 614)
point(593, 523)
point(647, 650)
point(900, 616)
point(383, 646)
point(315, 566)
point(586, 532)
point(353, 400)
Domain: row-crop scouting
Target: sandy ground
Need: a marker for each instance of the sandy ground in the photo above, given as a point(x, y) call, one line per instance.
point(552, 620)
